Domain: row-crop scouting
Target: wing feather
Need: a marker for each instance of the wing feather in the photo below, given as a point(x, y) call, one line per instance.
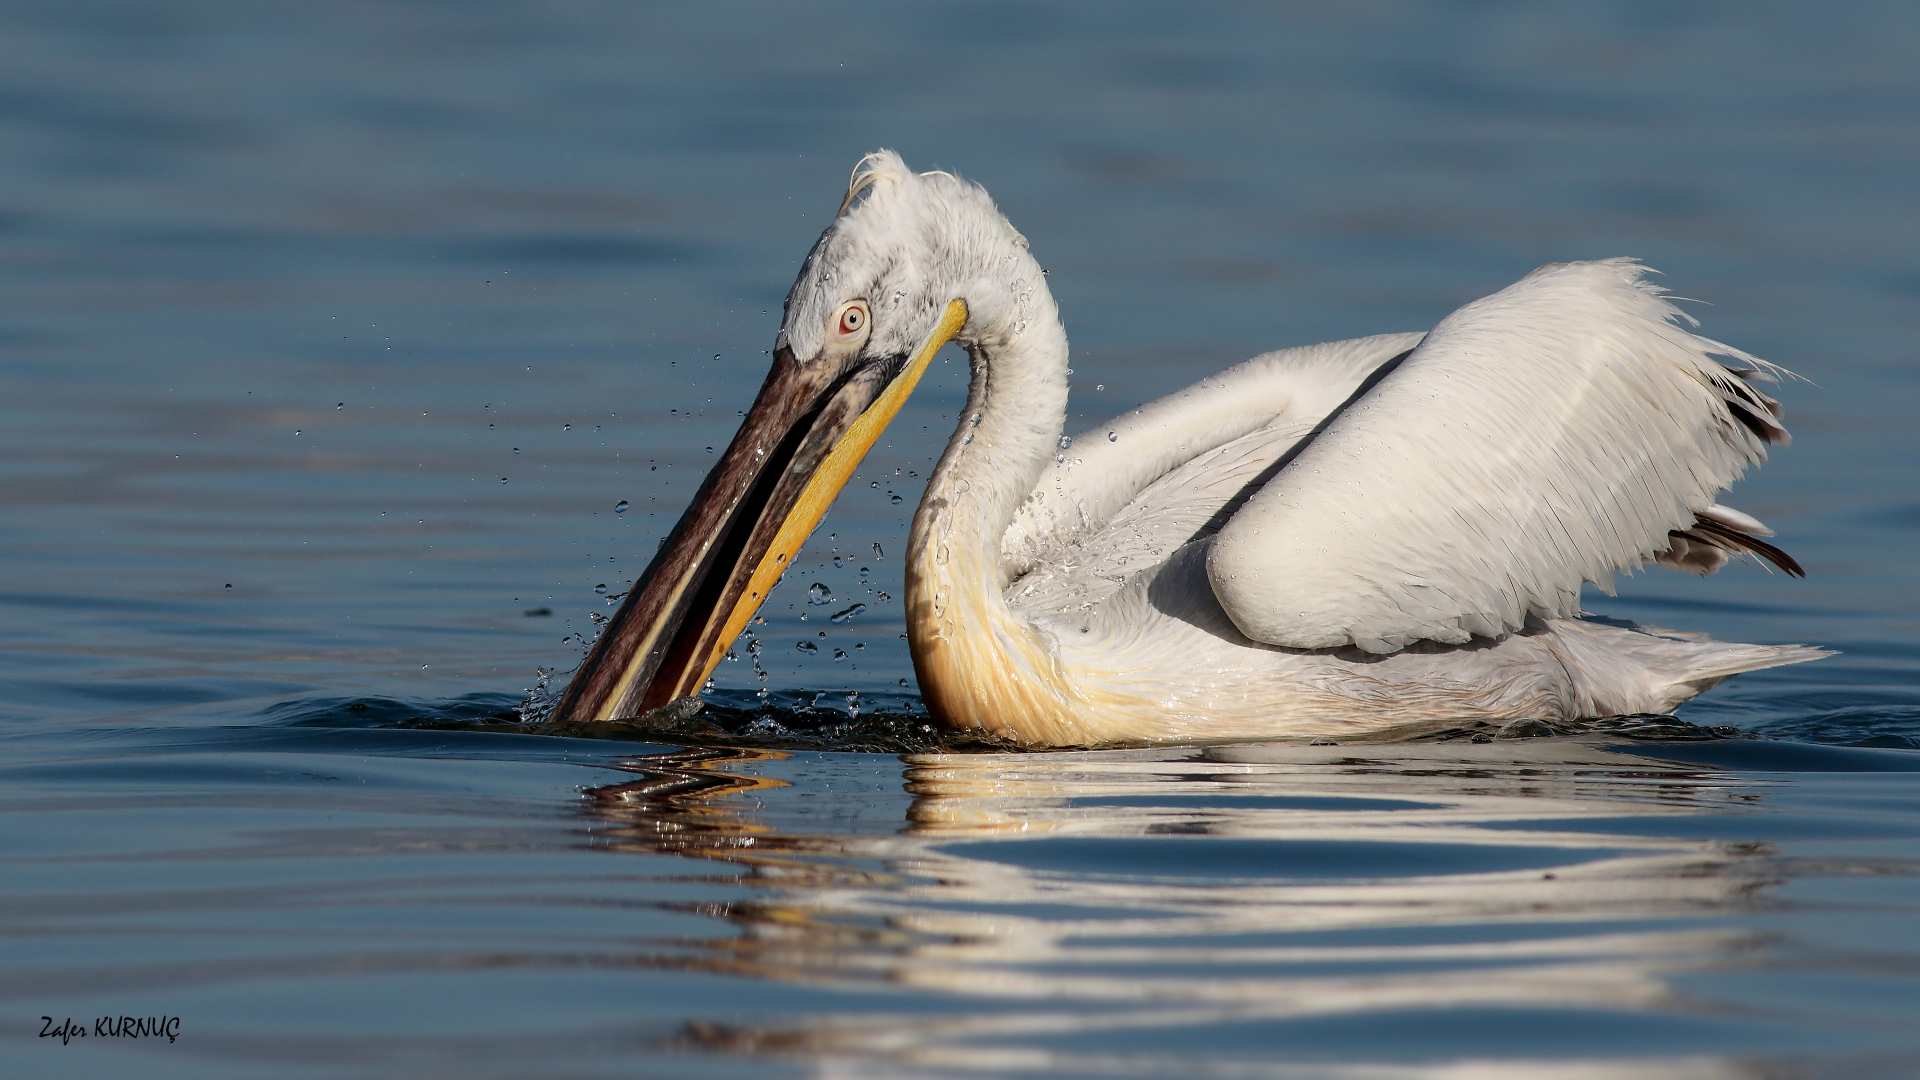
point(1556, 432)
point(1113, 464)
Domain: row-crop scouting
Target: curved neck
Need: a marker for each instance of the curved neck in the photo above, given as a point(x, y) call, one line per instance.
point(977, 662)
point(1008, 434)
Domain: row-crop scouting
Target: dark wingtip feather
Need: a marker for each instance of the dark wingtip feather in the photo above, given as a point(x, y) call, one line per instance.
point(1734, 540)
point(1766, 430)
point(1753, 408)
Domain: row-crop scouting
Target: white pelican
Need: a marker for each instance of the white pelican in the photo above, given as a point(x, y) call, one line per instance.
point(1318, 541)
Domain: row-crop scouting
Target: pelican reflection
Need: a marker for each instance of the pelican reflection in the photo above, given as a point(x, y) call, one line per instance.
point(1052, 897)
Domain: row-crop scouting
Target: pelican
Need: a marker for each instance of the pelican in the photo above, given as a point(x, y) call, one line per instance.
point(1320, 541)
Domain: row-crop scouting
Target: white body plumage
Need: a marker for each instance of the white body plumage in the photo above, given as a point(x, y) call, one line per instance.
point(1319, 540)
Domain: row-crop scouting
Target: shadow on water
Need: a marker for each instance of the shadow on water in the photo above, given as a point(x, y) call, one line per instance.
point(796, 720)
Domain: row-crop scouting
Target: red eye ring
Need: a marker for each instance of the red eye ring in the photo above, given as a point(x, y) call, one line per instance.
point(852, 319)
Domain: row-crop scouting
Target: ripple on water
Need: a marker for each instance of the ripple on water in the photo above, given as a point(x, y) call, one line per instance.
point(898, 723)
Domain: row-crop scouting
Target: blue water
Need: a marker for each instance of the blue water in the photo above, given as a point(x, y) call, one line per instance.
point(332, 337)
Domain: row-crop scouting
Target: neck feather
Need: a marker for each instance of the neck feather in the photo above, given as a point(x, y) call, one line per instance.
point(979, 663)
point(1007, 436)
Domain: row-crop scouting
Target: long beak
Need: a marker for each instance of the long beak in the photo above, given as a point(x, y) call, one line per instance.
point(796, 449)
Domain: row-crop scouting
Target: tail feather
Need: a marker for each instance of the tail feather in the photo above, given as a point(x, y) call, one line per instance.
point(1630, 668)
point(1717, 661)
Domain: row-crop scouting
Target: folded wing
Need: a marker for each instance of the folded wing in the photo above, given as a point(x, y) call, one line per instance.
point(1558, 431)
point(1120, 469)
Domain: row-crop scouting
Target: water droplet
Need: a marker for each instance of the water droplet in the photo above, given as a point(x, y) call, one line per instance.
point(883, 597)
point(843, 616)
point(516, 449)
point(621, 506)
point(807, 647)
point(877, 553)
point(229, 584)
point(709, 449)
point(963, 442)
point(600, 589)
point(875, 484)
point(903, 682)
point(340, 406)
point(566, 427)
point(296, 431)
point(707, 689)
point(895, 501)
point(1066, 441)
point(1113, 436)
point(941, 555)
point(839, 655)
point(818, 594)
point(503, 479)
point(716, 356)
point(837, 563)
point(1099, 386)
point(974, 419)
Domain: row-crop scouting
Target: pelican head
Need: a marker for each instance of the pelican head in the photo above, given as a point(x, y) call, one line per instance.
point(885, 286)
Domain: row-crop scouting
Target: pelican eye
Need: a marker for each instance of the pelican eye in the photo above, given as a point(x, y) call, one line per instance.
point(850, 324)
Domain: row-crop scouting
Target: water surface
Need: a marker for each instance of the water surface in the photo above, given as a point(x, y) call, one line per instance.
point(332, 340)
